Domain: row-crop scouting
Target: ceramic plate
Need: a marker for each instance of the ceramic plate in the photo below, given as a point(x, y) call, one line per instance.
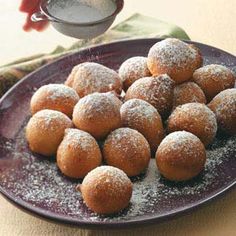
point(35, 184)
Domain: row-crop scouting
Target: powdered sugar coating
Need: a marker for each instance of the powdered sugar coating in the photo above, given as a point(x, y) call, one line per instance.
point(158, 91)
point(175, 58)
point(97, 114)
point(49, 120)
point(181, 140)
point(57, 97)
point(78, 153)
point(213, 79)
point(225, 98)
point(127, 139)
point(78, 138)
point(188, 92)
point(115, 98)
point(55, 91)
point(70, 79)
point(133, 69)
point(173, 52)
point(224, 107)
point(116, 177)
point(143, 117)
point(196, 118)
point(139, 109)
point(96, 103)
point(128, 150)
point(215, 70)
point(45, 131)
point(106, 190)
point(180, 156)
point(90, 77)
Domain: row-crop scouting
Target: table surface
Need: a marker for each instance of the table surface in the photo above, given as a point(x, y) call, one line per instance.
point(212, 22)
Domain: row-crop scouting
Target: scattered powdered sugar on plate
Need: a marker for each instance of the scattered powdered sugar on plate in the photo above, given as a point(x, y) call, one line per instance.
point(37, 181)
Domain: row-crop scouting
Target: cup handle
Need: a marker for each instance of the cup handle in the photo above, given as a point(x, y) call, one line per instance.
point(39, 16)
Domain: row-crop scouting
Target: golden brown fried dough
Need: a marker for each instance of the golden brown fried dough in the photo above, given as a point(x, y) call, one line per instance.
point(188, 92)
point(90, 77)
point(56, 97)
point(180, 156)
point(128, 150)
point(143, 117)
point(106, 190)
point(213, 79)
point(133, 69)
point(174, 57)
point(97, 114)
point(45, 131)
point(158, 91)
point(224, 107)
point(78, 153)
point(195, 118)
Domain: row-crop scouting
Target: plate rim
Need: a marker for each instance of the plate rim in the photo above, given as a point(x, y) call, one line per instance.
point(32, 210)
point(26, 207)
point(102, 45)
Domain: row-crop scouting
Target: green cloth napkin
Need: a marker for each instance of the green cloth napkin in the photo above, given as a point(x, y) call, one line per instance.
point(137, 26)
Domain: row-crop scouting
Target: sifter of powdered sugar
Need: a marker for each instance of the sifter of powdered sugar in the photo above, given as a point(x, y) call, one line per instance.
point(81, 19)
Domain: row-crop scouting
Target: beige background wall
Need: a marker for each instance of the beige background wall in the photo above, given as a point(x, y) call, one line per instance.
point(209, 21)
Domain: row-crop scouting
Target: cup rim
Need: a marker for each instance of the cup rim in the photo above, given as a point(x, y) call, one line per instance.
point(44, 10)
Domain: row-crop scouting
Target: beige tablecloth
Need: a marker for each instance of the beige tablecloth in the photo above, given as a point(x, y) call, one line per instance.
point(215, 219)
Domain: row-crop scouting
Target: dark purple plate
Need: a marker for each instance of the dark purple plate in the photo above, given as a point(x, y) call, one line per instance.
point(34, 183)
